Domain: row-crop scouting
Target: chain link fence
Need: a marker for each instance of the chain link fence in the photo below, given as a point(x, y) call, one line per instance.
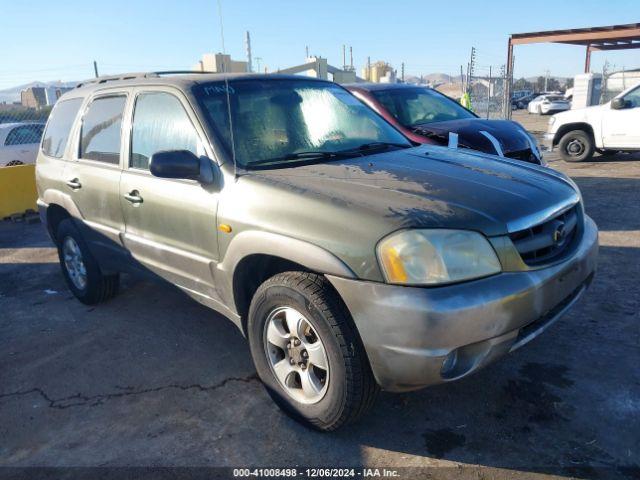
point(21, 129)
point(487, 96)
point(617, 82)
point(23, 114)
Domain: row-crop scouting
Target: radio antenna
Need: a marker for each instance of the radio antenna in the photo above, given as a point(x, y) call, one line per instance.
point(226, 87)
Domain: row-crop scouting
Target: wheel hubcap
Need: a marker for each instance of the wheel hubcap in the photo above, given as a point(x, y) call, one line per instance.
point(296, 355)
point(575, 148)
point(72, 257)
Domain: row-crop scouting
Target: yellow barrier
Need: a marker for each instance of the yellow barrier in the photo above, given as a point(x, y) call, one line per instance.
point(17, 189)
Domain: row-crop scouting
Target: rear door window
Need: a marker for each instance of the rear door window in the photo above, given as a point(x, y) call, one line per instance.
point(101, 129)
point(60, 122)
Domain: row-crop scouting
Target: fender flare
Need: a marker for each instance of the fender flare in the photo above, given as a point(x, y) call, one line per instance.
point(253, 242)
point(55, 197)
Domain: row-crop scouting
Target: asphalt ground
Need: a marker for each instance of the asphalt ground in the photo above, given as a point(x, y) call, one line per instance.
point(152, 378)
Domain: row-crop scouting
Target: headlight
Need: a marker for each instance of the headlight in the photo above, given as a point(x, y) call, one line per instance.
point(429, 257)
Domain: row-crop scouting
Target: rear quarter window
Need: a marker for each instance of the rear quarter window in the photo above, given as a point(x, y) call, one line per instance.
point(59, 125)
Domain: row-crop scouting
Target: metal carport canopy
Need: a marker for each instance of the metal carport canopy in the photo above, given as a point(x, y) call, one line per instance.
point(612, 37)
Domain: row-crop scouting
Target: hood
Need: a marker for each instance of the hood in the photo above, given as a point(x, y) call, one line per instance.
point(427, 186)
point(511, 136)
point(581, 114)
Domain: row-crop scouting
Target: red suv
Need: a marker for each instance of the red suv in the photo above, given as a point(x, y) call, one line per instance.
point(427, 116)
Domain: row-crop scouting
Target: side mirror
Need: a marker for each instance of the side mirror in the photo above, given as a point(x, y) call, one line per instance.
point(181, 164)
point(618, 104)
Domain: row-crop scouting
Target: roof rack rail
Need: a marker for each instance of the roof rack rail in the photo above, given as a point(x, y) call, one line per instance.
point(132, 75)
point(178, 72)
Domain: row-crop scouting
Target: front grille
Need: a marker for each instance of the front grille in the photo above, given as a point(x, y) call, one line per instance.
point(525, 155)
point(549, 240)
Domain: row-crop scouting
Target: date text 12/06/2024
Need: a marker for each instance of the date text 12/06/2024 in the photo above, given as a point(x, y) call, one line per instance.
point(315, 472)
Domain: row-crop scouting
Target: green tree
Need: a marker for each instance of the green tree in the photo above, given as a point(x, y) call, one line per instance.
point(522, 84)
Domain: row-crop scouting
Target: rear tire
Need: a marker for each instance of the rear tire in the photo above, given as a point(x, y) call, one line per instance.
point(576, 146)
point(343, 391)
point(80, 268)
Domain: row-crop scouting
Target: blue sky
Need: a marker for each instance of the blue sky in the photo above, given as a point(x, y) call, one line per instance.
point(60, 41)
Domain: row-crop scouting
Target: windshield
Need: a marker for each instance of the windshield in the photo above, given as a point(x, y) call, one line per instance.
point(417, 106)
point(278, 121)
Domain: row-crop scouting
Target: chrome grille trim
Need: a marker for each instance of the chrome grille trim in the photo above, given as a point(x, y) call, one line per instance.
point(549, 240)
point(542, 216)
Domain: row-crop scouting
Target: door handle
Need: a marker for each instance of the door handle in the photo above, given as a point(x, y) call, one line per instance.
point(74, 184)
point(134, 197)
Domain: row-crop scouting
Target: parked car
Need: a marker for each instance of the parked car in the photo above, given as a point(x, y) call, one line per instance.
point(19, 143)
point(523, 102)
point(546, 104)
point(427, 116)
point(350, 259)
point(607, 129)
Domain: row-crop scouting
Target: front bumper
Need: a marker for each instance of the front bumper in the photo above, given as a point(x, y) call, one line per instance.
point(547, 141)
point(415, 337)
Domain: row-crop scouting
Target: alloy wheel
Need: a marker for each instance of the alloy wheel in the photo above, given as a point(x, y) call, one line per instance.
point(296, 355)
point(575, 147)
point(74, 264)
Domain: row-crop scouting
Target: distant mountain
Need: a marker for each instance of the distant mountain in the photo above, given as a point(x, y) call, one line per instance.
point(438, 78)
point(11, 95)
point(431, 78)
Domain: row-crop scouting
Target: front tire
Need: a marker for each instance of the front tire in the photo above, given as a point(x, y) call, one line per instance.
point(80, 268)
point(576, 146)
point(307, 352)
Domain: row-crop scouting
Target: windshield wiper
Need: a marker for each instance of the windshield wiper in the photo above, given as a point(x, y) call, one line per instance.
point(325, 155)
point(378, 145)
point(367, 148)
point(306, 155)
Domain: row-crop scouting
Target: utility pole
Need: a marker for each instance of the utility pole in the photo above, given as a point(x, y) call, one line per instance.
point(306, 50)
point(489, 93)
point(351, 58)
point(546, 81)
point(258, 60)
point(467, 77)
point(402, 72)
point(249, 63)
point(470, 68)
point(503, 76)
point(472, 62)
point(368, 78)
point(95, 68)
point(462, 79)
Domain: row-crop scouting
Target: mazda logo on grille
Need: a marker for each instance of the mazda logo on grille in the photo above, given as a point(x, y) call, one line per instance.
point(559, 233)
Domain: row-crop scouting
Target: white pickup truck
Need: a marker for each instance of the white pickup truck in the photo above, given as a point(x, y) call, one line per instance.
point(607, 128)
